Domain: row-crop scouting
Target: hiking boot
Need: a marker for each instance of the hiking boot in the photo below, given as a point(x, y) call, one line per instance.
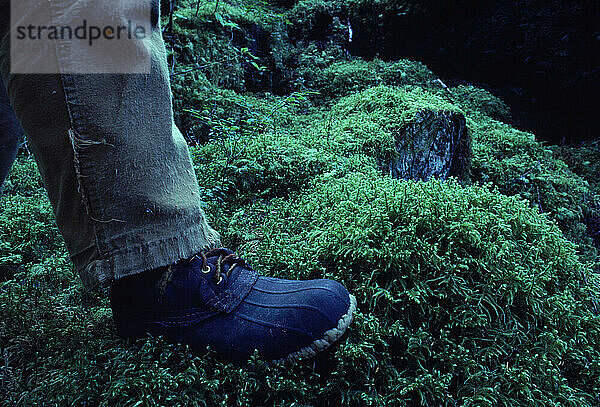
point(215, 299)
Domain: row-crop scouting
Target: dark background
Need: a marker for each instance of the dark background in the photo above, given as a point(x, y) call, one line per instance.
point(542, 57)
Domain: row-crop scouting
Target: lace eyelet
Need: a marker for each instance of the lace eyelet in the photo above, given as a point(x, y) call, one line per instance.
point(206, 269)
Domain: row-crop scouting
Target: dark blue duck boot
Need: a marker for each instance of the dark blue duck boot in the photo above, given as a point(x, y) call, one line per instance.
point(215, 299)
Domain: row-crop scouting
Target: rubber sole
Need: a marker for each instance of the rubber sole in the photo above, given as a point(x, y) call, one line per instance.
point(322, 344)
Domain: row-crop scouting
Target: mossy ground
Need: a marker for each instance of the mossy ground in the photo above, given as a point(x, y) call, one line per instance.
point(470, 294)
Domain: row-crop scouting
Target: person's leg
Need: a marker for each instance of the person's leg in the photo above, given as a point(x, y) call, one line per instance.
point(117, 169)
point(126, 198)
point(11, 135)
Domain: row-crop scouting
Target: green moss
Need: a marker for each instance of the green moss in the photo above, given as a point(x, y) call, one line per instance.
point(518, 164)
point(583, 160)
point(359, 132)
point(348, 77)
point(24, 179)
point(464, 295)
point(372, 122)
point(458, 288)
point(391, 106)
point(476, 100)
point(205, 112)
point(215, 56)
point(28, 233)
point(235, 172)
point(369, 124)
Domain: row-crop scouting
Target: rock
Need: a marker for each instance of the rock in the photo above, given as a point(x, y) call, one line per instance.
point(434, 144)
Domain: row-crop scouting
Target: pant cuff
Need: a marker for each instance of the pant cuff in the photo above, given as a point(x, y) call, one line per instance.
point(147, 256)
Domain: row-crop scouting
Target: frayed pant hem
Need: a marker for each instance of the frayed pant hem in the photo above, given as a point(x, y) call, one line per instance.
point(148, 256)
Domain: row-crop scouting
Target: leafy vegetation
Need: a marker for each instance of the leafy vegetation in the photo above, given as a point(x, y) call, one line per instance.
point(480, 293)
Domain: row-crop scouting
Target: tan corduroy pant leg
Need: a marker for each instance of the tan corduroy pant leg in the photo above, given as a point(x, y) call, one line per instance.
point(117, 169)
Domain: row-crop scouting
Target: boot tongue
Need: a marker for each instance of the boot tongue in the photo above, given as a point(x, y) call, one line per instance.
point(184, 284)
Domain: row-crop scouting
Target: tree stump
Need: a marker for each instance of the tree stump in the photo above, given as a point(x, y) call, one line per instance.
point(434, 144)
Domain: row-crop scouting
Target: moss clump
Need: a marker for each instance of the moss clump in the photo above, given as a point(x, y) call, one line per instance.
point(480, 101)
point(375, 122)
point(464, 294)
point(347, 77)
point(359, 132)
point(390, 107)
point(518, 164)
point(370, 124)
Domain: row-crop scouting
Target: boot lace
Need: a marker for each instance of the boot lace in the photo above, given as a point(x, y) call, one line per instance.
point(224, 258)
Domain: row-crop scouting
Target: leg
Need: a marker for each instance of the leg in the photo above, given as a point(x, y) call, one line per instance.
point(117, 169)
point(11, 135)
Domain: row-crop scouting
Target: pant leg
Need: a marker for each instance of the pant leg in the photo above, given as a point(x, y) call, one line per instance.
point(117, 169)
point(11, 135)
